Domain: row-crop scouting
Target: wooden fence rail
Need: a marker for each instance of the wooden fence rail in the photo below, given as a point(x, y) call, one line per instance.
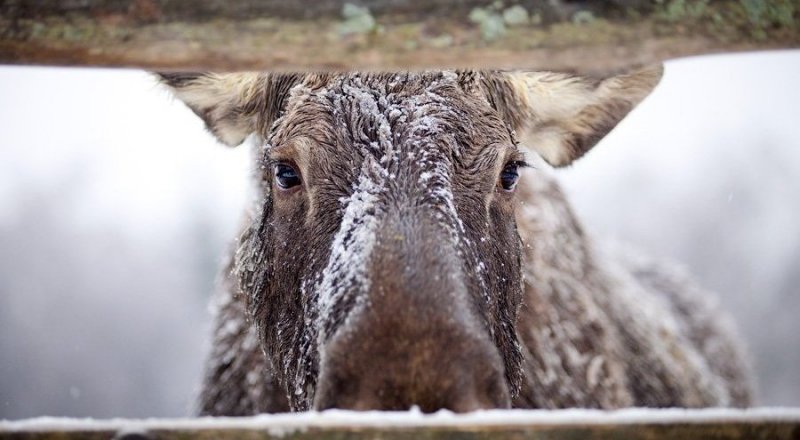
point(774, 424)
point(592, 37)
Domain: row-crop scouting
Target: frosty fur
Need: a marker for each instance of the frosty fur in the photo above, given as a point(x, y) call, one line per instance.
point(534, 315)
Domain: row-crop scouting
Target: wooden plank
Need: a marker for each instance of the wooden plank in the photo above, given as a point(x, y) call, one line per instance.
point(553, 425)
point(771, 431)
point(313, 35)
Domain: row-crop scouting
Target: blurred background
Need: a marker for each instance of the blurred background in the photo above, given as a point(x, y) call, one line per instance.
point(116, 207)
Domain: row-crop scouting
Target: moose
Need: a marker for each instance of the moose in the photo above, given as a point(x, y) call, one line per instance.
point(402, 252)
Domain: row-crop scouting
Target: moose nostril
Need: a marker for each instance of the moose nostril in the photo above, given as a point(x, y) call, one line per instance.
point(487, 389)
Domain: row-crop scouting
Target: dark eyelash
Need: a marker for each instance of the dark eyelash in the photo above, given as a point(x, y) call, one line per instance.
point(521, 164)
point(518, 158)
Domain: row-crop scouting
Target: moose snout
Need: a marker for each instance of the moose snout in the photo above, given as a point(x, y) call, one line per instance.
point(391, 368)
point(418, 339)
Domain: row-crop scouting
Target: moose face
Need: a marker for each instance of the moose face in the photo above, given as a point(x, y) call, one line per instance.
point(382, 266)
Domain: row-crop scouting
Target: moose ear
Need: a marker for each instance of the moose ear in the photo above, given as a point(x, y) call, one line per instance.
point(563, 116)
point(226, 102)
point(233, 105)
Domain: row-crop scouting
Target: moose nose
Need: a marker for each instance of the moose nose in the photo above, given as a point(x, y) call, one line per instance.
point(385, 369)
point(417, 339)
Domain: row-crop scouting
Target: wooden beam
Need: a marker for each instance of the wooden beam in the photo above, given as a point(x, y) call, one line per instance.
point(497, 425)
point(732, 431)
point(386, 35)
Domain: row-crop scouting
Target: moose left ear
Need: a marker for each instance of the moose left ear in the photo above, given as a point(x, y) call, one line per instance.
point(227, 102)
point(563, 116)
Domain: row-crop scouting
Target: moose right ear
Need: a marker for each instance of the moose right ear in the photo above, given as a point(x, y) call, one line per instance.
point(233, 105)
point(563, 116)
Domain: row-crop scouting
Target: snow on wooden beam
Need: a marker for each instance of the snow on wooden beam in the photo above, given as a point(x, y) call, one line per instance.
point(593, 37)
point(761, 423)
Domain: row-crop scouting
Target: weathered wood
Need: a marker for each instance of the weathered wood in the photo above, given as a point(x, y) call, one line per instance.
point(650, 424)
point(770, 431)
point(311, 35)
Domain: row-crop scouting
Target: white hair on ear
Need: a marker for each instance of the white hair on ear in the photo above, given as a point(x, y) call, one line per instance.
point(225, 101)
point(563, 116)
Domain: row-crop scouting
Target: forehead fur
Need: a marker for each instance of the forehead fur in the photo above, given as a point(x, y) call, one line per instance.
point(382, 114)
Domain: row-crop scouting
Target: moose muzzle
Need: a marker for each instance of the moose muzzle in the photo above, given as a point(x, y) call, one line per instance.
point(416, 339)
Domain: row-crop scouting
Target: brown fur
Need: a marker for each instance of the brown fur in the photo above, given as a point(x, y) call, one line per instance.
point(399, 273)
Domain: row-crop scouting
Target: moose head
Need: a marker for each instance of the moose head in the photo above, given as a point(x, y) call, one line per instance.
point(381, 264)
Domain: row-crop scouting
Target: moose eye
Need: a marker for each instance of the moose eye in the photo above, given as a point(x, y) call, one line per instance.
point(509, 176)
point(286, 176)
